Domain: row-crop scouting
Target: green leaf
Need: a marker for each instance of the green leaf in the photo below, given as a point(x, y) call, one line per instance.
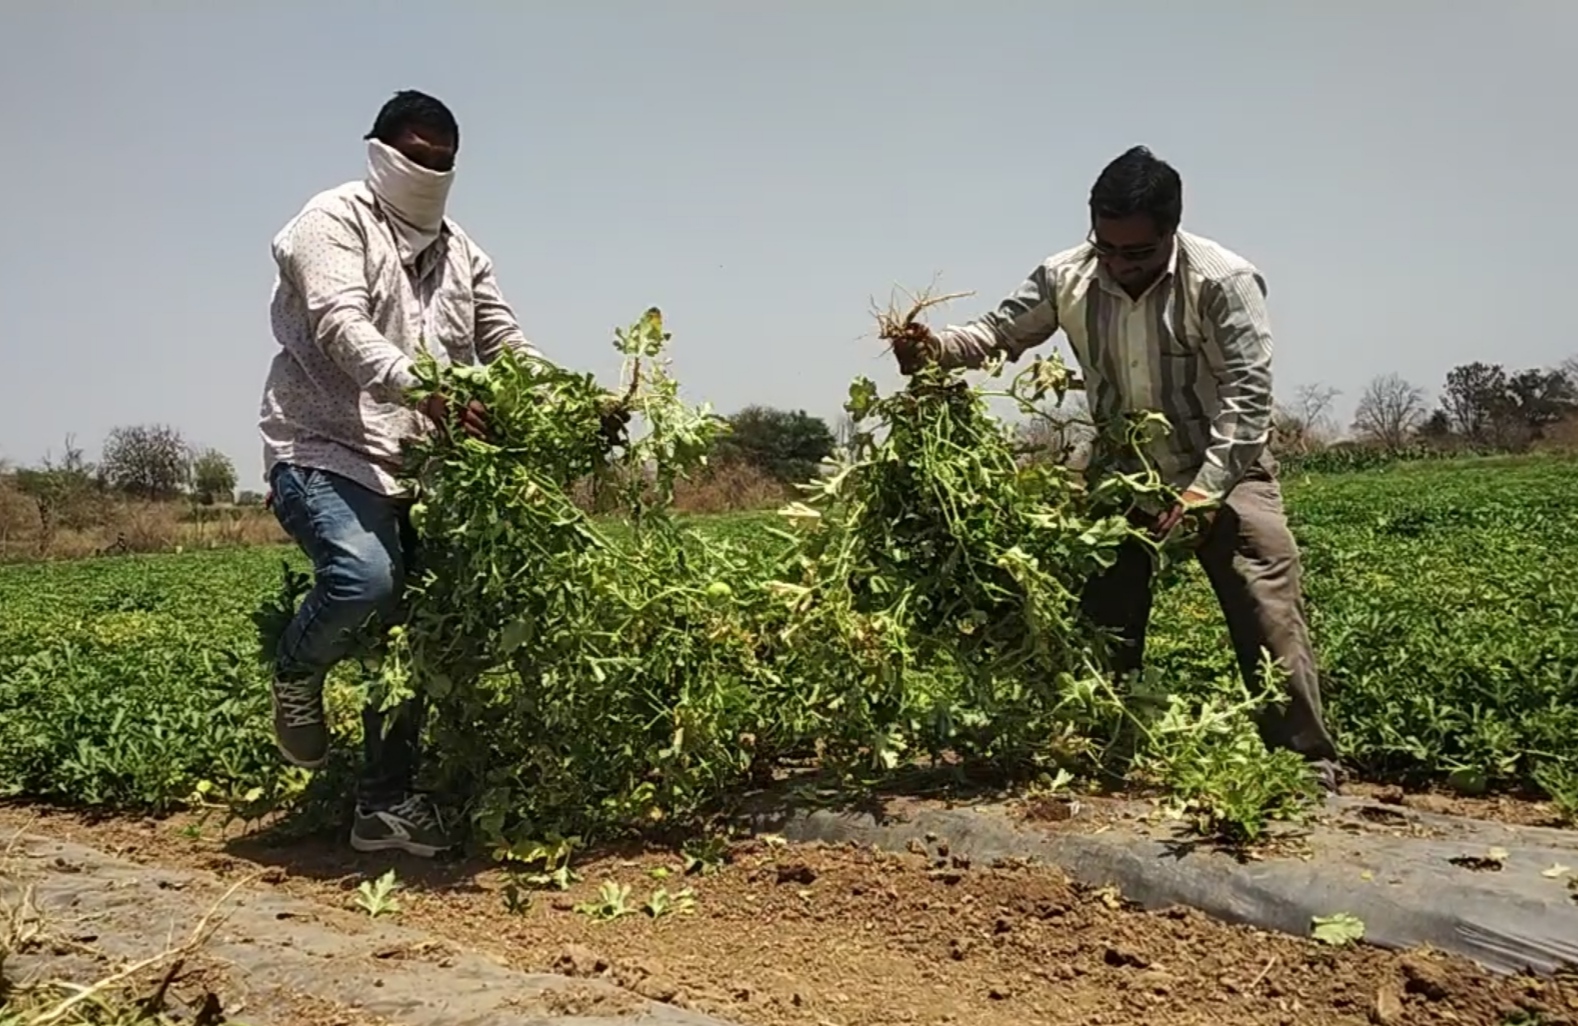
point(1337, 930)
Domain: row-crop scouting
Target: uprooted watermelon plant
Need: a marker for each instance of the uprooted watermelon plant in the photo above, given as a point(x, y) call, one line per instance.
point(593, 674)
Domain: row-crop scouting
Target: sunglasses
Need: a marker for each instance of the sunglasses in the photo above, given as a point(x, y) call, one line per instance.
point(1136, 253)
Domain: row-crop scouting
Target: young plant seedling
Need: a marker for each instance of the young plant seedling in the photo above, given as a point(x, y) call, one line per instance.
point(613, 902)
point(552, 855)
point(705, 856)
point(376, 898)
point(661, 903)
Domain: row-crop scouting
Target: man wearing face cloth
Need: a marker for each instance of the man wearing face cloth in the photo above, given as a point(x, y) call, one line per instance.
point(370, 273)
point(1161, 319)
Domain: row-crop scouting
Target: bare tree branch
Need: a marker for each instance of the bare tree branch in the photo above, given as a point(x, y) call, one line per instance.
point(1390, 411)
point(1305, 423)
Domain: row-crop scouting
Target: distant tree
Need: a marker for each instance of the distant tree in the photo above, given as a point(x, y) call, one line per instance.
point(213, 477)
point(1389, 411)
point(1312, 404)
point(1305, 422)
point(1486, 405)
point(1474, 397)
point(249, 498)
point(1540, 398)
point(1437, 427)
point(150, 461)
point(68, 491)
point(787, 446)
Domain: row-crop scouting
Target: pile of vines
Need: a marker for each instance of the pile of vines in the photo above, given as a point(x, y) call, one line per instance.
point(596, 674)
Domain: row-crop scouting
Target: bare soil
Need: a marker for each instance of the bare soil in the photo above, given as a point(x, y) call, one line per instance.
point(784, 935)
point(1499, 808)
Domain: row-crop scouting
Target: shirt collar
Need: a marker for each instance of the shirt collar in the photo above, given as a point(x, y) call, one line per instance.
point(1168, 272)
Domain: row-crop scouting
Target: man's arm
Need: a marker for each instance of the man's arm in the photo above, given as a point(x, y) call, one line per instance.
point(496, 328)
point(1024, 319)
point(1238, 334)
point(323, 256)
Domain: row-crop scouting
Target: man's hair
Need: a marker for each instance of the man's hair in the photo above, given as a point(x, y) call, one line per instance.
point(1139, 182)
point(412, 109)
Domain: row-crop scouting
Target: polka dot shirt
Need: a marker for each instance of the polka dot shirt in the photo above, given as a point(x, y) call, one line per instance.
point(350, 319)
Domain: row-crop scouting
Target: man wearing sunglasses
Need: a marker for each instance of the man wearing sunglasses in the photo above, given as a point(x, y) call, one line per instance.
point(1161, 319)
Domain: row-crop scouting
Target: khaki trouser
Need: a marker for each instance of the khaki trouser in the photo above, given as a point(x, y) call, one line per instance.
point(1252, 561)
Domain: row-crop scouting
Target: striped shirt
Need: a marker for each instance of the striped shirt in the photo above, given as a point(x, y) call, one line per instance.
point(350, 320)
point(1195, 347)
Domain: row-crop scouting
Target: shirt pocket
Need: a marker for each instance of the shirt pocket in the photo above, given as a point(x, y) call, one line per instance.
point(453, 315)
point(1177, 338)
point(389, 298)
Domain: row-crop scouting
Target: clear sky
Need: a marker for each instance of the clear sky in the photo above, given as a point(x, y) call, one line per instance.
point(1402, 172)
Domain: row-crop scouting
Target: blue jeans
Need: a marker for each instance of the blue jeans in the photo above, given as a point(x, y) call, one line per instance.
point(362, 547)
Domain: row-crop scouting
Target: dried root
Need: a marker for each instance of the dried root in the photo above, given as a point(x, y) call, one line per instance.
point(899, 325)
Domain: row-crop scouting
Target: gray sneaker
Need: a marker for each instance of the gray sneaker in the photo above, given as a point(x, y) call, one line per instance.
point(300, 731)
point(1326, 778)
point(413, 826)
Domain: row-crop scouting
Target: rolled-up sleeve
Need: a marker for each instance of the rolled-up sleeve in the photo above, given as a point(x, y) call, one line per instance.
point(496, 327)
point(1237, 332)
point(1024, 319)
point(324, 258)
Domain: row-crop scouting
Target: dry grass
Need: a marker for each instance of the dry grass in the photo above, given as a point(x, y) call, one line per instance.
point(722, 488)
point(126, 526)
point(121, 526)
point(1561, 436)
point(134, 991)
point(730, 488)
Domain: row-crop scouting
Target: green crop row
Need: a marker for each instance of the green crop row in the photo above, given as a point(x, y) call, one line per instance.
point(1443, 610)
point(1440, 598)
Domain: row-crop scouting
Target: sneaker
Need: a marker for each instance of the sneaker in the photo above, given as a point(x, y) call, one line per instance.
point(301, 732)
point(1326, 778)
point(413, 826)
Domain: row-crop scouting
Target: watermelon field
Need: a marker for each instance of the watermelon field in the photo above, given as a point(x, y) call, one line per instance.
point(606, 667)
point(613, 685)
point(1441, 598)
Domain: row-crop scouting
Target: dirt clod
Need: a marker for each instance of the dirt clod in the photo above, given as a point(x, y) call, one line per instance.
point(657, 988)
point(1154, 980)
point(796, 873)
point(578, 960)
point(1046, 809)
point(1388, 1007)
point(1125, 957)
point(1426, 978)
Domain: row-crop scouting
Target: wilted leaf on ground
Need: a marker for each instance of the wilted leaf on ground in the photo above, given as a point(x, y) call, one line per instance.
point(1337, 930)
